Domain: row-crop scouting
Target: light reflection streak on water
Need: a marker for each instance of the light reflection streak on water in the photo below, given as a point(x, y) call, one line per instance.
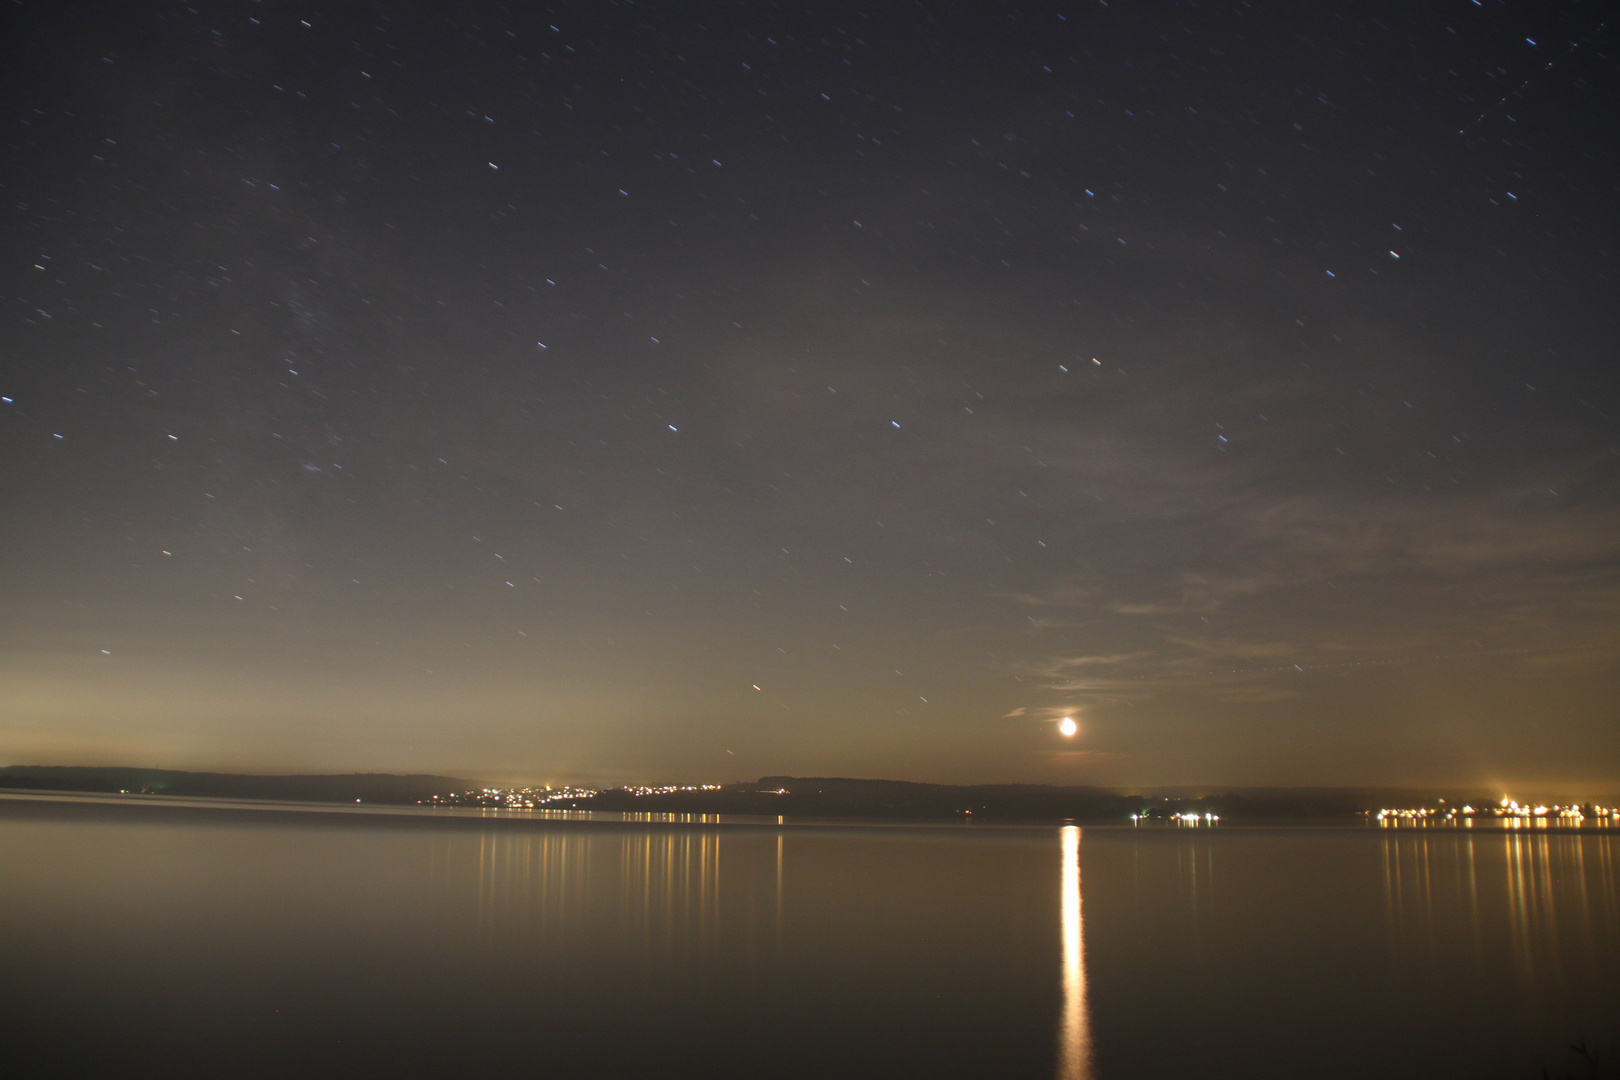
point(668, 885)
point(1530, 899)
point(1545, 898)
point(1074, 1030)
point(535, 880)
point(670, 882)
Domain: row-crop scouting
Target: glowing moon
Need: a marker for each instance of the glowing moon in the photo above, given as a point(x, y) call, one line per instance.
point(1068, 726)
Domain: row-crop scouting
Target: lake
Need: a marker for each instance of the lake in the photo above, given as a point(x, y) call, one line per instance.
point(151, 936)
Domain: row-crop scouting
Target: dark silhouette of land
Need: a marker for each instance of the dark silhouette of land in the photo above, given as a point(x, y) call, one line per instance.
point(363, 787)
point(802, 797)
point(842, 797)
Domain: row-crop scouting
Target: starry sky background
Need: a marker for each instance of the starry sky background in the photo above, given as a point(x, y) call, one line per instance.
point(696, 391)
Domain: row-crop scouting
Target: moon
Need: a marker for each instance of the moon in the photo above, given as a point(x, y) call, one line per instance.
point(1068, 727)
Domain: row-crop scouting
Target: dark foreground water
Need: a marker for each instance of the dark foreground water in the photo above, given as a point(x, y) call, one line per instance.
point(188, 942)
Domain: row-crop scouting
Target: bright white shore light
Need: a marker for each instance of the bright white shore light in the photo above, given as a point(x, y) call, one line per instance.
point(1068, 726)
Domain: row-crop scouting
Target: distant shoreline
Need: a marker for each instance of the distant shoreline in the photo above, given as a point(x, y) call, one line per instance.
point(388, 788)
point(36, 805)
point(774, 797)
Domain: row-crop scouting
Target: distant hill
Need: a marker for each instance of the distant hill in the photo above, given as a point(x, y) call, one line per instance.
point(367, 787)
point(797, 796)
point(846, 797)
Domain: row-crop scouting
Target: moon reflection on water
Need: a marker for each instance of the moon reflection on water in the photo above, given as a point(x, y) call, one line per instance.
point(1074, 1027)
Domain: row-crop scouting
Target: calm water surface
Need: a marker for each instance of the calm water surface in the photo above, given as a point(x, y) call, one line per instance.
point(210, 943)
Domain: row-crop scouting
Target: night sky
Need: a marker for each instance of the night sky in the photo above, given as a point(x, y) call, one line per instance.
point(690, 392)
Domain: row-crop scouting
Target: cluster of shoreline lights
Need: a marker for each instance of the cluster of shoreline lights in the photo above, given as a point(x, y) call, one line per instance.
point(510, 798)
point(542, 798)
point(1508, 808)
point(1179, 819)
point(669, 789)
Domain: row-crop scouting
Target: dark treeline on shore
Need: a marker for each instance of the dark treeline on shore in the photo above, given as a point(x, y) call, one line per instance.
point(796, 796)
point(843, 797)
point(363, 787)
point(840, 797)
